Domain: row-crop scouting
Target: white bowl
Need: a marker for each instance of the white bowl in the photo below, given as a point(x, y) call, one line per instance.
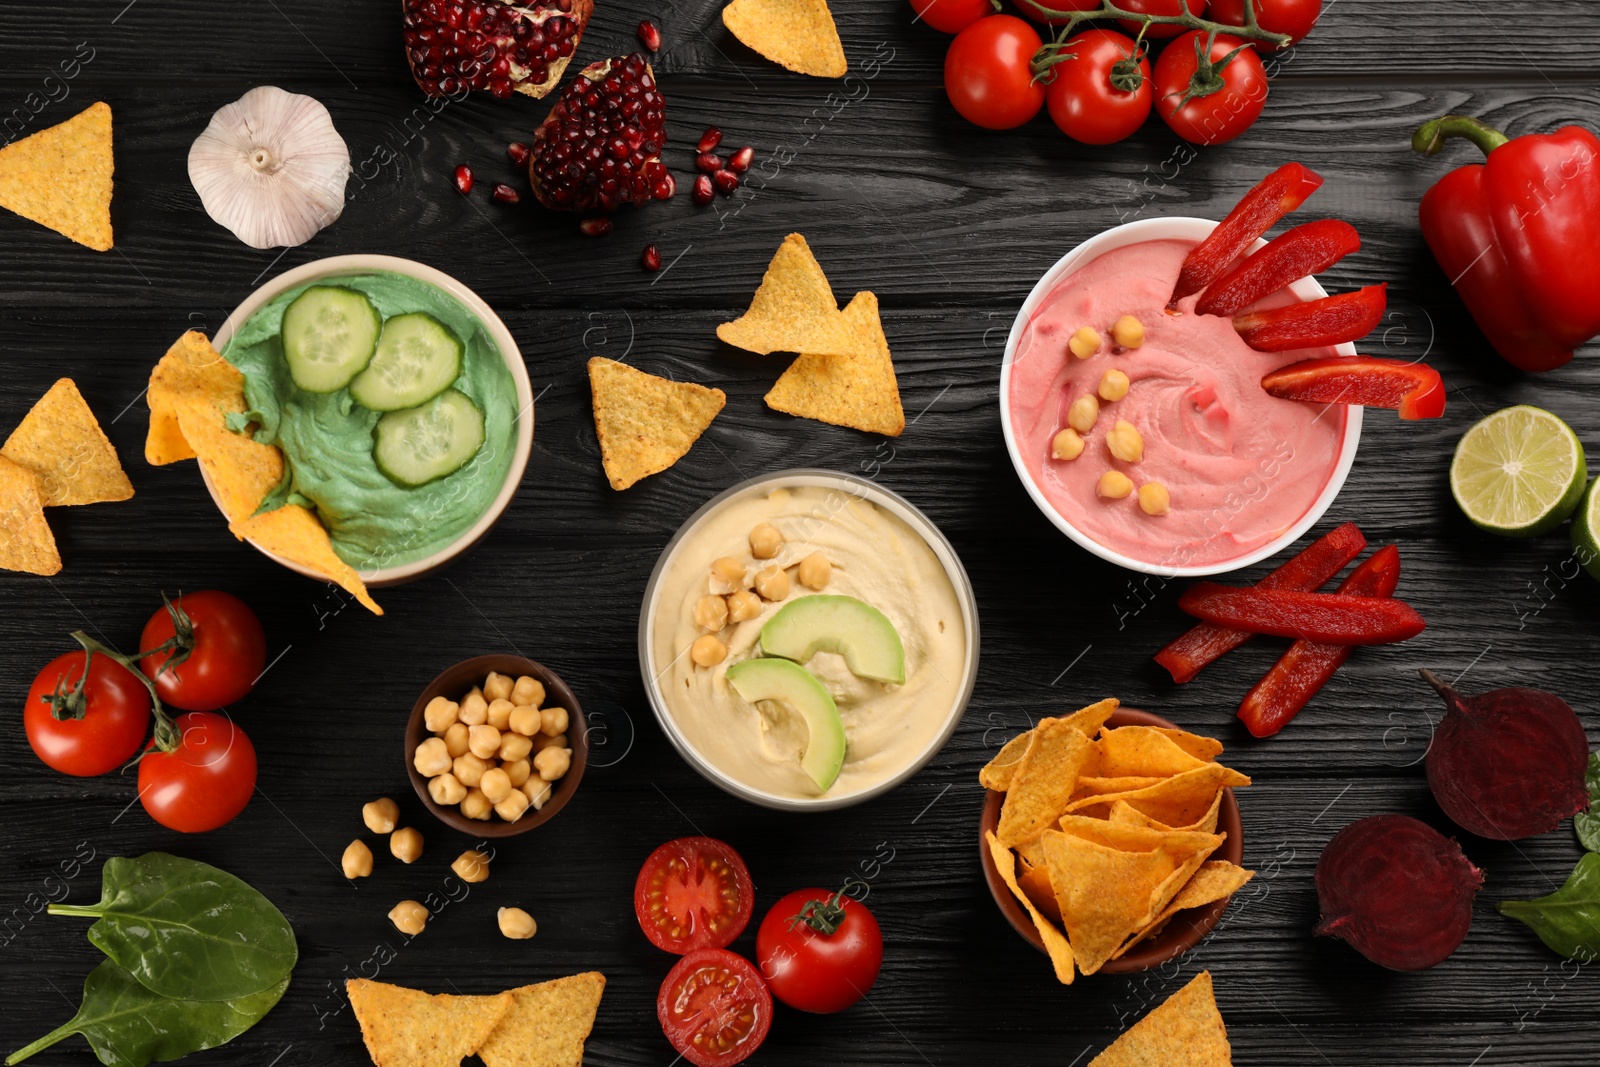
point(1174, 228)
point(364, 264)
point(861, 489)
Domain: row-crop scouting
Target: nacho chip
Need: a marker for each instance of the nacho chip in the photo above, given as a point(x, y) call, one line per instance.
point(1055, 944)
point(26, 543)
point(1181, 800)
point(998, 772)
point(1090, 786)
point(797, 34)
point(1187, 1029)
point(1131, 751)
point(1105, 894)
point(1035, 881)
point(646, 424)
point(1122, 811)
point(294, 533)
point(793, 310)
point(61, 177)
point(1043, 783)
point(1212, 881)
point(547, 1024)
point(60, 441)
point(857, 390)
point(1093, 717)
point(409, 1028)
point(1128, 837)
point(190, 369)
point(1201, 748)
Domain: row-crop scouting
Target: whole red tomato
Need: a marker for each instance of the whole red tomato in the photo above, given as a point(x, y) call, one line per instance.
point(718, 998)
point(1219, 104)
point(1082, 97)
point(113, 709)
point(205, 781)
point(1293, 17)
point(988, 72)
point(1035, 9)
point(1159, 30)
point(819, 951)
point(952, 16)
point(218, 651)
point(692, 893)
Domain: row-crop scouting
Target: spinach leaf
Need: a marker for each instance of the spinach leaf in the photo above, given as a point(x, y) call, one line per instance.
point(1587, 823)
point(129, 1026)
point(188, 930)
point(1567, 920)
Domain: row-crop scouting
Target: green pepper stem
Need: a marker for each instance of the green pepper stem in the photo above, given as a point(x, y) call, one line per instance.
point(1432, 135)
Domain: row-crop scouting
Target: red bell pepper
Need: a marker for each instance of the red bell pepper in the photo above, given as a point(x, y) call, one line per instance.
point(1294, 254)
point(1519, 236)
point(1414, 389)
point(1313, 565)
point(1306, 667)
point(1332, 320)
point(1273, 197)
point(1334, 618)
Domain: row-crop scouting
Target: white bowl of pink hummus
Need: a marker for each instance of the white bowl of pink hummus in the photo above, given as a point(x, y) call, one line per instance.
point(1235, 475)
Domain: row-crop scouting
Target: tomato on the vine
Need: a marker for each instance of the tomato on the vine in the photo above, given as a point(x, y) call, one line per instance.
point(693, 893)
point(820, 951)
point(952, 16)
point(216, 650)
point(1035, 9)
point(1293, 17)
point(714, 1008)
point(1084, 96)
point(988, 72)
point(103, 721)
point(205, 780)
point(1213, 103)
point(1159, 7)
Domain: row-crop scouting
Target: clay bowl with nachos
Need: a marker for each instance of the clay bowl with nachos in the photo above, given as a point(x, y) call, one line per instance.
point(1111, 839)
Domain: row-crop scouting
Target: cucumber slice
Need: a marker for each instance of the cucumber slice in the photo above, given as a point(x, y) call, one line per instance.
point(421, 444)
point(329, 335)
point(417, 359)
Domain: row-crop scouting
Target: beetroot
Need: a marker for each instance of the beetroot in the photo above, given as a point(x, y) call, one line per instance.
point(1509, 763)
point(1397, 890)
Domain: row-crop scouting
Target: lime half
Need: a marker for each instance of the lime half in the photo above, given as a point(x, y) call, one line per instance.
point(1519, 472)
point(1585, 549)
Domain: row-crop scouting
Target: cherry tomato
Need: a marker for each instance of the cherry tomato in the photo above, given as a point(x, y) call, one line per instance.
point(1159, 30)
point(1218, 116)
point(693, 893)
point(714, 1008)
point(1035, 9)
point(819, 951)
point(951, 16)
point(988, 73)
point(1293, 17)
point(226, 651)
point(116, 715)
point(205, 781)
point(1082, 100)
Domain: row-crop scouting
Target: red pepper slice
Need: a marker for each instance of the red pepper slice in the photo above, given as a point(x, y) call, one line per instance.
point(1332, 320)
point(1413, 389)
point(1273, 197)
point(1306, 667)
point(1315, 564)
point(1294, 254)
point(1333, 618)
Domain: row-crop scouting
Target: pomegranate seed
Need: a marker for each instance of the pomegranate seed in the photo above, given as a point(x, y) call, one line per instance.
point(649, 36)
point(665, 187)
point(702, 192)
point(598, 226)
point(518, 153)
point(740, 161)
point(707, 162)
point(650, 258)
point(709, 140)
point(727, 181)
point(504, 194)
point(463, 179)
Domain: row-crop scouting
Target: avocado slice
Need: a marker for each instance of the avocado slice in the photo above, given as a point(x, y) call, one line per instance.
point(792, 684)
point(852, 628)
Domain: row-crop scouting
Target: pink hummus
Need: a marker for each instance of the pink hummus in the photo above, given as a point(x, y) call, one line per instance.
point(1241, 466)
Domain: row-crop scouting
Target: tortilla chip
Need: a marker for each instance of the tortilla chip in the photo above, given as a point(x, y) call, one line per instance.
point(857, 390)
point(1035, 881)
point(1187, 1029)
point(61, 177)
point(1181, 800)
point(998, 772)
point(1042, 785)
point(60, 441)
point(191, 367)
point(547, 1024)
point(1140, 751)
point(1091, 786)
point(797, 34)
point(1093, 717)
point(26, 543)
point(1055, 944)
point(409, 1028)
point(793, 310)
point(1122, 811)
point(646, 424)
point(1201, 748)
point(1104, 893)
point(1212, 881)
point(294, 533)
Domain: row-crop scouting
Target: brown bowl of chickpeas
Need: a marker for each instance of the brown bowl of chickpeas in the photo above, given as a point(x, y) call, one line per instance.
point(496, 745)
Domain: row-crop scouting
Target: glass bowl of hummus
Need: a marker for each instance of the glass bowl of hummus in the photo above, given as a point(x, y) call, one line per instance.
point(808, 640)
point(1235, 475)
point(390, 531)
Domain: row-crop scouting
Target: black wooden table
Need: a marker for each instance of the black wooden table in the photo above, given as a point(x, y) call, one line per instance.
point(950, 226)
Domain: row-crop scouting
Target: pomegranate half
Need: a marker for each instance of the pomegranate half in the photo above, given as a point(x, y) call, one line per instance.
point(600, 146)
point(500, 48)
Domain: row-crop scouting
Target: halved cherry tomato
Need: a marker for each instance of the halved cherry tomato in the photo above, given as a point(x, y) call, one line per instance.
point(820, 951)
point(1083, 100)
point(1235, 102)
point(693, 893)
point(205, 781)
point(216, 660)
point(714, 1008)
point(115, 715)
point(952, 16)
point(1159, 30)
point(988, 72)
point(1293, 17)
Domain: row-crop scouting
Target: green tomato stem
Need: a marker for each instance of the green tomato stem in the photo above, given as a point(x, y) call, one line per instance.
point(1251, 29)
point(166, 735)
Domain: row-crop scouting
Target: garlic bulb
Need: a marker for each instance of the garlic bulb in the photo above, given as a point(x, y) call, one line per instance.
point(271, 168)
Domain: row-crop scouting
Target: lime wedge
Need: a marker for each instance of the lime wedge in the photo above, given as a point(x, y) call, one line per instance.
point(1519, 472)
point(1585, 549)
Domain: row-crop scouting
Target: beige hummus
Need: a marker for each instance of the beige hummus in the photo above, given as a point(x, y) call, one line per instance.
point(877, 558)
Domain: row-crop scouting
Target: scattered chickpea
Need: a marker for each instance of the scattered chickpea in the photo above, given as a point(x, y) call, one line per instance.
point(1114, 485)
point(542, 742)
point(537, 790)
point(469, 769)
point(1084, 342)
point(728, 572)
point(357, 860)
point(446, 789)
point(552, 763)
point(514, 747)
point(455, 739)
point(1113, 386)
point(406, 844)
point(772, 582)
point(518, 771)
point(380, 815)
point(512, 806)
point(495, 784)
point(432, 757)
point(1128, 332)
point(553, 722)
point(1066, 444)
point(1154, 498)
point(517, 924)
point(527, 692)
point(1083, 413)
point(765, 541)
point(471, 866)
point(497, 687)
point(743, 605)
point(484, 741)
point(1125, 442)
point(439, 714)
point(815, 571)
point(409, 917)
point(707, 651)
point(475, 805)
point(474, 709)
point(525, 720)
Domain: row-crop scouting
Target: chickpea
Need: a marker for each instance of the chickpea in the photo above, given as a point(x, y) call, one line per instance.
point(772, 582)
point(553, 763)
point(553, 722)
point(516, 924)
point(765, 541)
point(1084, 342)
point(512, 806)
point(484, 741)
point(357, 859)
point(518, 771)
point(500, 714)
point(542, 742)
point(1114, 485)
point(475, 805)
point(468, 770)
point(1083, 413)
point(380, 815)
point(711, 612)
point(1114, 385)
point(743, 605)
point(497, 687)
point(514, 747)
point(455, 739)
point(495, 784)
point(406, 844)
point(1128, 332)
point(431, 757)
point(707, 651)
point(446, 789)
point(727, 573)
point(1067, 444)
point(474, 710)
point(471, 866)
point(815, 571)
point(537, 790)
point(1154, 499)
point(1125, 442)
point(528, 692)
point(409, 917)
point(439, 714)
point(525, 720)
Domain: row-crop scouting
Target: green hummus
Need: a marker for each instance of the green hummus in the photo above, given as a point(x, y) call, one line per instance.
point(327, 438)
